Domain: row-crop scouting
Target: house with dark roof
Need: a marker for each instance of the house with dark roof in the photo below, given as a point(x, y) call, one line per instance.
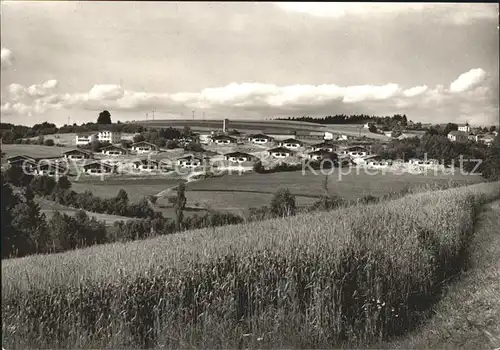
point(238, 157)
point(99, 168)
point(78, 154)
point(280, 152)
point(190, 161)
point(143, 147)
point(146, 164)
point(324, 146)
point(290, 143)
point(458, 136)
point(321, 154)
point(260, 139)
point(114, 151)
point(223, 140)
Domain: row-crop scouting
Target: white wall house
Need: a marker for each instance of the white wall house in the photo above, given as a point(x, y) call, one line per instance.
point(77, 154)
point(98, 168)
point(143, 147)
point(280, 152)
point(109, 136)
point(238, 157)
point(324, 146)
point(146, 165)
point(328, 136)
point(223, 140)
point(464, 128)
point(354, 151)
point(290, 143)
point(83, 139)
point(189, 162)
point(114, 151)
point(458, 136)
point(318, 155)
point(260, 139)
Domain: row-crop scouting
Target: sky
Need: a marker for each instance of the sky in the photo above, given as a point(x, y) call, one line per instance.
point(67, 61)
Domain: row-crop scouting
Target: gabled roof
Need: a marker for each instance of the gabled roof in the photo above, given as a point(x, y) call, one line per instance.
point(259, 136)
point(114, 147)
point(223, 137)
point(147, 161)
point(237, 154)
point(104, 165)
point(143, 143)
point(324, 144)
point(321, 152)
point(457, 133)
point(280, 149)
point(20, 157)
point(78, 150)
point(291, 140)
point(190, 157)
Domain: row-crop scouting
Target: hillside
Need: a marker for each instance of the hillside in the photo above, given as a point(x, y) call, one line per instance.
point(351, 277)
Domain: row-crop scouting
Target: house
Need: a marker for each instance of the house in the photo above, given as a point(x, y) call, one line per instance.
point(324, 146)
point(368, 125)
point(109, 136)
point(342, 138)
point(16, 160)
point(143, 147)
point(114, 151)
point(189, 161)
point(458, 136)
point(238, 157)
point(375, 161)
point(426, 162)
point(86, 138)
point(487, 139)
point(205, 139)
point(328, 136)
point(280, 152)
point(260, 139)
point(98, 168)
point(77, 154)
point(354, 151)
point(50, 169)
point(472, 137)
point(223, 140)
point(320, 154)
point(290, 143)
point(464, 128)
point(146, 164)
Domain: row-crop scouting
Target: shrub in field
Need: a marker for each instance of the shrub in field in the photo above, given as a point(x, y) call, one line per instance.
point(49, 142)
point(346, 278)
point(283, 203)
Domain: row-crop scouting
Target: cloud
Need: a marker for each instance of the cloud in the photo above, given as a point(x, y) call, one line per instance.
point(6, 58)
point(105, 92)
point(468, 95)
point(18, 92)
point(415, 91)
point(468, 80)
point(455, 13)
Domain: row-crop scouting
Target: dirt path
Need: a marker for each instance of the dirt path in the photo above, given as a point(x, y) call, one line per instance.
point(468, 317)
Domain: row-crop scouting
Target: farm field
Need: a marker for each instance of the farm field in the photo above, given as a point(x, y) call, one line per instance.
point(35, 151)
point(48, 208)
point(256, 285)
point(350, 186)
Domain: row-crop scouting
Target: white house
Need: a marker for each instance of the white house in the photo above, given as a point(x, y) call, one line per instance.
point(487, 139)
point(77, 154)
point(280, 152)
point(50, 169)
point(376, 161)
point(143, 147)
point(223, 140)
point(146, 164)
point(98, 168)
point(354, 151)
point(319, 154)
point(464, 128)
point(328, 136)
point(205, 139)
point(238, 157)
point(114, 151)
point(424, 163)
point(290, 143)
point(83, 139)
point(109, 136)
point(458, 136)
point(260, 139)
point(189, 161)
point(324, 146)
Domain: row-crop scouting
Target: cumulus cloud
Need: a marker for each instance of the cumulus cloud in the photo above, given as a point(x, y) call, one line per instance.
point(468, 80)
point(456, 13)
point(468, 94)
point(6, 58)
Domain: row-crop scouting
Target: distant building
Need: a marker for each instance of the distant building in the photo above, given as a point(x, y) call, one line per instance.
point(146, 164)
point(280, 152)
point(189, 161)
point(143, 147)
point(290, 143)
point(86, 138)
point(109, 136)
point(458, 136)
point(354, 151)
point(260, 139)
point(324, 146)
point(223, 140)
point(464, 128)
point(238, 157)
point(77, 154)
point(328, 136)
point(98, 168)
point(319, 154)
point(114, 151)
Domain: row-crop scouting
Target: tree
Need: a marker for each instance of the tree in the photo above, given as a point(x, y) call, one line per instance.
point(493, 128)
point(450, 127)
point(7, 203)
point(283, 203)
point(104, 118)
point(186, 131)
point(179, 205)
point(372, 128)
point(49, 142)
point(139, 138)
point(492, 162)
point(95, 146)
point(64, 183)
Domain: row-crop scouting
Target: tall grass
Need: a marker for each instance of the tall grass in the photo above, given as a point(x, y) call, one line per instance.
point(350, 277)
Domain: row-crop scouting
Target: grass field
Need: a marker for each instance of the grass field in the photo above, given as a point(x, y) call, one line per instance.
point(35, 151)
point(351, 277)
point(350, 186)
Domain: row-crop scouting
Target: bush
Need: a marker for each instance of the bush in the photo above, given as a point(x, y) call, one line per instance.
point(49, 142)
point(283, 203)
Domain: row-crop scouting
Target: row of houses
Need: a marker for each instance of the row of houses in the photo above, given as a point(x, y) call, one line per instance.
point(462, 136)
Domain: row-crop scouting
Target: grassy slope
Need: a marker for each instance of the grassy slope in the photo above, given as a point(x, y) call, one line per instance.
point(273, 259)
point(35, 151)
point(468, 317)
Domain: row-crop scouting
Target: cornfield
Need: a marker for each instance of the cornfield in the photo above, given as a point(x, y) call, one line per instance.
point(350, 277)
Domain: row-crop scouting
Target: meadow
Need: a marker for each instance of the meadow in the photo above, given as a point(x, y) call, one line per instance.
point(351, 277)
point(35, 151)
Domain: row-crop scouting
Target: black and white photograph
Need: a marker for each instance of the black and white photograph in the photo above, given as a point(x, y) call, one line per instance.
point(250, 175)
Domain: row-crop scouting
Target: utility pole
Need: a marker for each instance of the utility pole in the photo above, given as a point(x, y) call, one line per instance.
point(146, 116)
point(203, 115)
point(193, 113)
point(153, 114)
point(69, 119)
